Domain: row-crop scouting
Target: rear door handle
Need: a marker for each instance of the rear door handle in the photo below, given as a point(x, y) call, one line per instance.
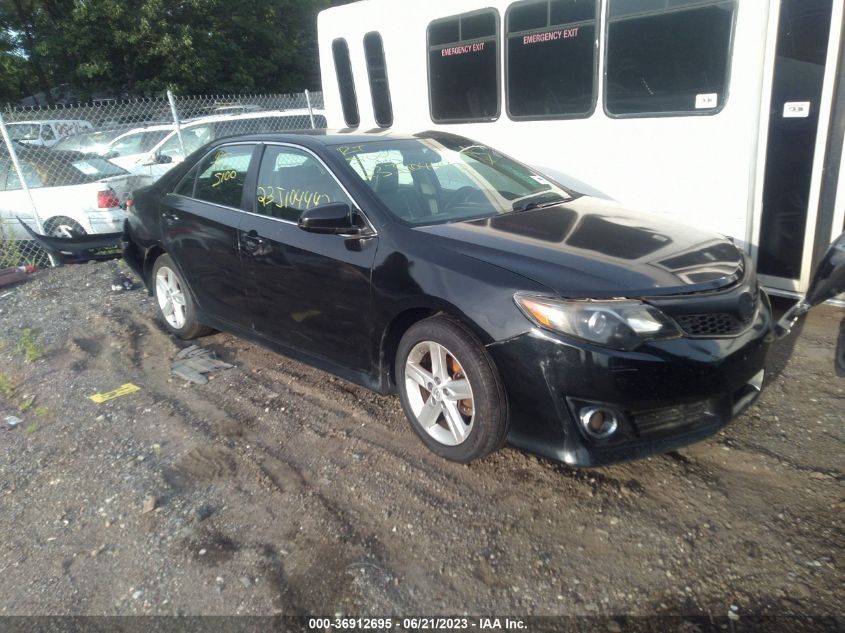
point(251, 241)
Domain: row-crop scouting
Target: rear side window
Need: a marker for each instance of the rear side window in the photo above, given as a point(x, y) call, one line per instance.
point(291, 181)
point(221, 175)
point(463, 68)
point(186, 185)
point(345, 82)
point(551, 58)
point(33, 178)
point(377, 72)
point(671, 60)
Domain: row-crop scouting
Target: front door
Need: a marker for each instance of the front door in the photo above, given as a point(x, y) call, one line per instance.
point(799, 78)
point(200, 227)
point(307, 291)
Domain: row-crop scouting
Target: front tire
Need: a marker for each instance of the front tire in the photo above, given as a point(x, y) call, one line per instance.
point(450, 390)
point(175, 304)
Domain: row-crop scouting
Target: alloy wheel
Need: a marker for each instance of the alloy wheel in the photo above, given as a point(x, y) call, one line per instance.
point(171, 297)
point(439, 393)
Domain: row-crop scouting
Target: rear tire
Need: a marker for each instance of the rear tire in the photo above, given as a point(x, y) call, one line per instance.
point(174, 301)
point(62, 226)
point(451, 390)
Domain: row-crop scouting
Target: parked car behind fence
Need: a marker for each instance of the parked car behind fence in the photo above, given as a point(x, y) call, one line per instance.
point(75, 194)
point(46, 133)
point(143, 129)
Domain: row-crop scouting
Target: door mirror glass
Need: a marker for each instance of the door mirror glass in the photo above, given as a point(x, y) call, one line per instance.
point(334, 218)
point(829, 280)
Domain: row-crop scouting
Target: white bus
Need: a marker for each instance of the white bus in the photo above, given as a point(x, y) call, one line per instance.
point(725, 114)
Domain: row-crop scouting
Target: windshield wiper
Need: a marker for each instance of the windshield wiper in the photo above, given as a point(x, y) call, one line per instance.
point(538, 202)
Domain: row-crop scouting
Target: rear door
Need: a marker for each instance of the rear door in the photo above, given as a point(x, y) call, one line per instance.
point(307, 291)
point(199, 221)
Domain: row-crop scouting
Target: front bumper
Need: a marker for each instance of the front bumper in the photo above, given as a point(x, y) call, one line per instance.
point(668, 393)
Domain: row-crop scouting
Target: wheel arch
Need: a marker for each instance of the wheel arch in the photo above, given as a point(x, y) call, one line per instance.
point(402, 321)
point(153, 253)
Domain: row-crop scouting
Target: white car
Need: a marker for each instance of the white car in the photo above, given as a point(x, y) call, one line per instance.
point(74, 194)
point(45, 133)
point(153, 162)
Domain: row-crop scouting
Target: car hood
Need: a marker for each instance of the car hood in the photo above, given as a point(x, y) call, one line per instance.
point(594, 248)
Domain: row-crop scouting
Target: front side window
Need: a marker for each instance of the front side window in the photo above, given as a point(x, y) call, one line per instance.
point(377, 72)
point(463, 68)
point(668, 60)
point(345, 82)
point(447, 179)
point(222, 173)
point(291, 181)
point(24, 131)
point(551, 58)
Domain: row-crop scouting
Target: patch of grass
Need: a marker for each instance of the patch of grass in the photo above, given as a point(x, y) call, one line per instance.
point(41, 412)
point(29, 346)
point(7, 386)
point(32, 428)
point(26, 405)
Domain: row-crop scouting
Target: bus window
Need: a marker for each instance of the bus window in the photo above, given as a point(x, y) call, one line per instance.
point(377, 72)
point(463, 68)
point(345, 82)
point(668, 61)
point(551, 58)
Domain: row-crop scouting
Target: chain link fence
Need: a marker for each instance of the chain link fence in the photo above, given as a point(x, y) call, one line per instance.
point(66, 171)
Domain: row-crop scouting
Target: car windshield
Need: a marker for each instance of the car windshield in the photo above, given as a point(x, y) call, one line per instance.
point(95, 142)
point(437, 180)
point(24, 131)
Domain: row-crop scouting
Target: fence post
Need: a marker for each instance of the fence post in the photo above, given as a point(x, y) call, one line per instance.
point(175, 114)
point(13, 154)
point(310, 109)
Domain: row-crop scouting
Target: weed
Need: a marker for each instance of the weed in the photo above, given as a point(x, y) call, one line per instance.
point(32, 428)
point(29, 346)
point(26, 405)
point(41, 412)
point(7, 387)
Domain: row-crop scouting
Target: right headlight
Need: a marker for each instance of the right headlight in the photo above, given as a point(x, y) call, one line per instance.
point(620, 324)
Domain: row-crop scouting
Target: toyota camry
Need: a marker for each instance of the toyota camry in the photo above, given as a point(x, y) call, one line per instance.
point(500, 306)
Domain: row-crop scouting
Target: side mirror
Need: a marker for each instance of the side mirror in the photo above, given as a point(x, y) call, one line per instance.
point(163, 159)
point(333, 219)
point(828, 282)
point(829, 279)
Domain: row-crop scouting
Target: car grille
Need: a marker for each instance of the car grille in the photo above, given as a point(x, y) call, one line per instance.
point(710, 324)
point(659, 422)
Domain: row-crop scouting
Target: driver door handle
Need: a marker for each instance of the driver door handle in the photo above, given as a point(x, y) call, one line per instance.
point(169, 217)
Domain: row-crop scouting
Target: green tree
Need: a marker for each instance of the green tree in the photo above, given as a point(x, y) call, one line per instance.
point(141, 47)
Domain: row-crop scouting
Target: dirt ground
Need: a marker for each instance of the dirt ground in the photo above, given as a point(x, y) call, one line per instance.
point(279, 489)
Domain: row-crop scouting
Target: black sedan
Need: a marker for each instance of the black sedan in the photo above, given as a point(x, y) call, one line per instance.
point(499, 305)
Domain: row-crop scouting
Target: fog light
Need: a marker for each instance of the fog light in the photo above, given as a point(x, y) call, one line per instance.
point(598, 422)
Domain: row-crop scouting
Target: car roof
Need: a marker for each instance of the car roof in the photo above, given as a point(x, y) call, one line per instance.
point(253, 114)
point(333, 138)
point(41, 121)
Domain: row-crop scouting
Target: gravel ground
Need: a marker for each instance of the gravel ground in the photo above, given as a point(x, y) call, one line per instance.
point(279, 489)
